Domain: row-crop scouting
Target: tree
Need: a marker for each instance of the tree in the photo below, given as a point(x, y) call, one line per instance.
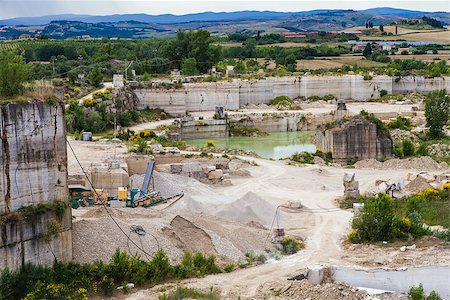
point(13, 73)
point(368, 50)
point(189, 66)
point(381, 28)
point(437, 111)
point(96, 77)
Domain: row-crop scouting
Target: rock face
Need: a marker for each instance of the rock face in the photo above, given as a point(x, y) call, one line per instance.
point(231, 95)
point(33, 170)
point(355, 139)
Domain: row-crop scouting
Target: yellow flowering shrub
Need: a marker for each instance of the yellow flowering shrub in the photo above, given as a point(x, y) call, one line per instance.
point(89, 102)
point(428, 193)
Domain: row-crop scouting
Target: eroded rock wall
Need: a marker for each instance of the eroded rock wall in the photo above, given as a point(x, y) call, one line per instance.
point(33, 170)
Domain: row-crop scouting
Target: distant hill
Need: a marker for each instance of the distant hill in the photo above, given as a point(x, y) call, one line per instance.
point(138, 26)
point(204, 16)
point(388, 11)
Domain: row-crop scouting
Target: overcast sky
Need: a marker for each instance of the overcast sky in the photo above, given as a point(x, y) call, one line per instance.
point(21, 8)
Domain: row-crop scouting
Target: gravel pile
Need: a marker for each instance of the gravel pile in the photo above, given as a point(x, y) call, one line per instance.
point(423, 163)
point(172, 231)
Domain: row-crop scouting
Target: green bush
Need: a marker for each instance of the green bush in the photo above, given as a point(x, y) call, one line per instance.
point(210, 144)
point(416, 293)
point(376, 220)
point(408, 148)
point(383, 93)
point(303, 157)
point(291, 246)
point(280, 99)
point(56, 291)
point(244, 130)
point(402, 123)
point(65, 280)
point(230, 267)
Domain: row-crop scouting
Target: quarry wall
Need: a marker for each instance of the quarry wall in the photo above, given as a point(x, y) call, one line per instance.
point(33, 170)
point(232, 95)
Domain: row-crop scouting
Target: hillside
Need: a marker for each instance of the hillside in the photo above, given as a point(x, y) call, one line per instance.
point(144, 26)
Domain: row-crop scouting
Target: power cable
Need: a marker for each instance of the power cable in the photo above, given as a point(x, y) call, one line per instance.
point(106, 208)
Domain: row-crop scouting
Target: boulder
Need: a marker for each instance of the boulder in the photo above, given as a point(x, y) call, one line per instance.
point(226, 182)
point(216, 174)
point(176, 168)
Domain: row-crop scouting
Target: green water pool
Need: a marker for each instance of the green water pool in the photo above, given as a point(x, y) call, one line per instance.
point(276, 145)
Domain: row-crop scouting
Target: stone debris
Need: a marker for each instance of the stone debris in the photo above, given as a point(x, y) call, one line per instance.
point(398, 134)
point(423, 163)
point(439, 150)
point(395, 189)
point(351, 186)
point(172, 230)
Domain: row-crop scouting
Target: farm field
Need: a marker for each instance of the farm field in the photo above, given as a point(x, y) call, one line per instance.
point(441, 36)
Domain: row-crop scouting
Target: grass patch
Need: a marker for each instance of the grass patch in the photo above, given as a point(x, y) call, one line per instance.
point(188, 293)
point(244, 130)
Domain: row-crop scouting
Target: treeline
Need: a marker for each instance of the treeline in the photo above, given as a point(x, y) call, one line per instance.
point(425, 20)
point(193, 52)
point(155, 56)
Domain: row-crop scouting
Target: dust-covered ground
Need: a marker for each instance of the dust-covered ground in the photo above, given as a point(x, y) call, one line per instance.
point(229, 221)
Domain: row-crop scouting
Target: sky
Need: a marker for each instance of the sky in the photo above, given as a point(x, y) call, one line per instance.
point(27, 8)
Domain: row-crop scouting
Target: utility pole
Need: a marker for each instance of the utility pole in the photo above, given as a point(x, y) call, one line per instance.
point(126, 70)
point(53, 63)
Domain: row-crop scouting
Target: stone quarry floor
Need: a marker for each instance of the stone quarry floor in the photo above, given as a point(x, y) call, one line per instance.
point(220, 219)
point(228, 221)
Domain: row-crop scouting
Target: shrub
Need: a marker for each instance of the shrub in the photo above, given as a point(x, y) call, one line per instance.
point(244, 130)
point(56, 291)
point(73, 280)
point(303, 157)
point(353, 236)
point(416, 293)
point(375, 220)
point(290, 245)
point(141, 147)
point(402, 123)
point(106, 285)
point(89, 102)
point(383, 93)
point(279, 99)
point(210, 144)
point(408, 148)
point(230, 267)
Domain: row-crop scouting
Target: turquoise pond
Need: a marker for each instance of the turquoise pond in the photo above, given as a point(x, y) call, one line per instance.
point(276, 145)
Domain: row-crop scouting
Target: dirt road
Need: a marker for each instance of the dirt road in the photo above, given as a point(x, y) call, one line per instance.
point(321, 223)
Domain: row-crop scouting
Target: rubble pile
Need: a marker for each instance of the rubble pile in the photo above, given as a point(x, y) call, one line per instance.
point(424, 163)
point(413, 183)
point(439, 150)
point(398, 134)
point(351, 186)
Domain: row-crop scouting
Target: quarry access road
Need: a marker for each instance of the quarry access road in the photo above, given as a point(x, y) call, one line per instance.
point(320, 223)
